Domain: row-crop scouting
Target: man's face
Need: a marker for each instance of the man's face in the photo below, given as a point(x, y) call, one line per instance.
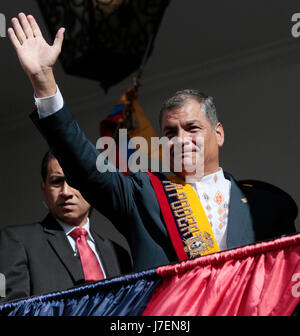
point(63, 201)
point(194, 134)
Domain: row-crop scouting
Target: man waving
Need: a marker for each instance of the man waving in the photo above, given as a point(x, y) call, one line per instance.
point(164, 219)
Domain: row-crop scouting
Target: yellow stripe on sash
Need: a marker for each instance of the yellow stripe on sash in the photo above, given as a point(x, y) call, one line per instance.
point(192, 222)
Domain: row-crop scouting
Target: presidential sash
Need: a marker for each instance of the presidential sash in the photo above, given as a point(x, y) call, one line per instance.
point(189, 229)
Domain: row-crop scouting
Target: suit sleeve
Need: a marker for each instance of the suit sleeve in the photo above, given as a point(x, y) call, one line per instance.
point(111, 193)
point(14, 266)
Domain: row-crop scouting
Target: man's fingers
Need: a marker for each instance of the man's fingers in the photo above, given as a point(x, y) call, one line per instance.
point(26, 26)
point(34, 26)
point(18, 30)
point(59, 38)
point(14, 40)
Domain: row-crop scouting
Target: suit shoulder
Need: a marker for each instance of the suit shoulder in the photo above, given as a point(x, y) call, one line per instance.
point(261, 186)
point(268, 191)
point(21, 231)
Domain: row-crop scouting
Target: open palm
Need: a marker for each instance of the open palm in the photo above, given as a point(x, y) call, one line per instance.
point(35, 54)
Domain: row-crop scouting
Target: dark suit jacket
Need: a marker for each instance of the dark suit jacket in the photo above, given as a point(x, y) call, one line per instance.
point(131, 204)
point(38, 258)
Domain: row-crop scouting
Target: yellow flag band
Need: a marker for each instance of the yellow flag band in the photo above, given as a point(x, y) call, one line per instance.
point(192, 223)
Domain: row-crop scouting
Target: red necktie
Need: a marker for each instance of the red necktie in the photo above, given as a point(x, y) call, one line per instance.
point(90, 265)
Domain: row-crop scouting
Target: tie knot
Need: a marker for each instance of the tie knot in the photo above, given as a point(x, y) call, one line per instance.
point(78, 232)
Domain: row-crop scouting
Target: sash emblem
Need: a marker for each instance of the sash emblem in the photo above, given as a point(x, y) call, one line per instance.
point(199, 244)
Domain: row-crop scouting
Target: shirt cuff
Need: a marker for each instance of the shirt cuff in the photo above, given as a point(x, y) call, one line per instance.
point(49, 105)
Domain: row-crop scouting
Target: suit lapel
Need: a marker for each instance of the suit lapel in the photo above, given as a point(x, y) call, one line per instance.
point(107, 256)
point(240, 225)
point(59, 242)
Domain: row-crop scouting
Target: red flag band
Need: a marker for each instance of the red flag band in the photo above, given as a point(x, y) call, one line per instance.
point(258, 280)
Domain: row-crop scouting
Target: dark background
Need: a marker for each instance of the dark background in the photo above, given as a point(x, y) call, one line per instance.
point(240, 52)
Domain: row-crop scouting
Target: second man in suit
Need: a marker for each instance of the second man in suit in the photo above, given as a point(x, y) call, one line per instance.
point(62, 250)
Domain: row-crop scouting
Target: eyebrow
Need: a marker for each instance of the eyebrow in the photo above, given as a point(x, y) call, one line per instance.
point(56, 176)
point(191, 122)
point(186, 123)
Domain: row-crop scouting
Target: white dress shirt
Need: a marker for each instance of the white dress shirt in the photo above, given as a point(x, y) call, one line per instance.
point(49, 105)
point(214, 193)
point(90, 240)
point(213, 190)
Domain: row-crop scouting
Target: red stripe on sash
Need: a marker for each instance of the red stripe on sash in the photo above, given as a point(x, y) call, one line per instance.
point(168, 217)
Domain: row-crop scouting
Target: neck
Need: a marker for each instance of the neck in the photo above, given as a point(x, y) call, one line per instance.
point(211, 171)
point(80, 222)
point(83, 221)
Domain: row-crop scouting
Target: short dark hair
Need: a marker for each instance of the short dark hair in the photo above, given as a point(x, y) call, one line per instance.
point(180, 98)
point(45, 162)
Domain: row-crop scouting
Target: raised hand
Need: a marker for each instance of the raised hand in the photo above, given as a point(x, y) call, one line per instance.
point(36, 56)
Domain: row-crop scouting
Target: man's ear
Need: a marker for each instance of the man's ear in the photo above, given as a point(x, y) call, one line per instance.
point(220, 134)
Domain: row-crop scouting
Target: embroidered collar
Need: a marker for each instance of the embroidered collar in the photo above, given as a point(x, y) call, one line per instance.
point(212, 179)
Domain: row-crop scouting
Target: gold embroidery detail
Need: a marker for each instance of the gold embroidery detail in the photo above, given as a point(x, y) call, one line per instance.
point(177, 205)
point(199, 244)
point(186, 219)
point(180, 196)
point(183, 213)
point(172, 186)
point(190, 229)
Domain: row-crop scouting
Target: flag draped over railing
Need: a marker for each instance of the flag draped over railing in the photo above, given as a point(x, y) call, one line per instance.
point(258, 280)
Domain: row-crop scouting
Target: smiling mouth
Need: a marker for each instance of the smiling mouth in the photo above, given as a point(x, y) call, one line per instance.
point(182, 154)
point(67, 205)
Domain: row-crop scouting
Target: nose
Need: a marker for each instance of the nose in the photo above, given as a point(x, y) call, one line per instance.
point(183, 138)
point(66, 190)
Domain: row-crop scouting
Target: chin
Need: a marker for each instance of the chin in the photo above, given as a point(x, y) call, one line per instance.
point(183, 174)
point(68, 218)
